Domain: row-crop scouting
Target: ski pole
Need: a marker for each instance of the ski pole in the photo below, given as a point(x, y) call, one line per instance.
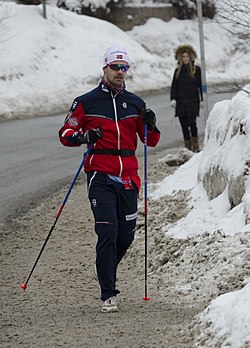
point(24, 285)
point(146, 298)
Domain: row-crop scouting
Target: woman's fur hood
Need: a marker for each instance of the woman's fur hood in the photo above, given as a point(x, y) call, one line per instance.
point(185, 49)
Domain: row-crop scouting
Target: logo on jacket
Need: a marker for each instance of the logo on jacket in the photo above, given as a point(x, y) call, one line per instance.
point(72, 121)
point(124, 105)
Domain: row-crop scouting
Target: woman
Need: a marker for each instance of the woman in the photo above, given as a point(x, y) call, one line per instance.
point(186, 94)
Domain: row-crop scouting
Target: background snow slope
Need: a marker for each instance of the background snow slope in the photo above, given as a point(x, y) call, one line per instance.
point(46, 63)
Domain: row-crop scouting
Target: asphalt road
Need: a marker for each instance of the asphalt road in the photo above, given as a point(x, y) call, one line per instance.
point(33, 163)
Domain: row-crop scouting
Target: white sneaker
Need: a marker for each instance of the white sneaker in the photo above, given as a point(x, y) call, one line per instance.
point(109, 305)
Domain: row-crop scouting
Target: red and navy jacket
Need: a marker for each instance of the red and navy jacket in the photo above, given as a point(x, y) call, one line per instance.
point(119, 115)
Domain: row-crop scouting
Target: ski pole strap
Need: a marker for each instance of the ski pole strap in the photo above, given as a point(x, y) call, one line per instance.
point(114, 152)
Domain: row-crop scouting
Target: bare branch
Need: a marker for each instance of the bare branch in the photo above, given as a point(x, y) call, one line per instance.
point(236, 12)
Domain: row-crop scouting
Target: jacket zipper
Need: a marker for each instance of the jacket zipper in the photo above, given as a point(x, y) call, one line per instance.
point(118, 132)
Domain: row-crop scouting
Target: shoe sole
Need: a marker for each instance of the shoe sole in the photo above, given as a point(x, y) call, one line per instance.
point(109, 310)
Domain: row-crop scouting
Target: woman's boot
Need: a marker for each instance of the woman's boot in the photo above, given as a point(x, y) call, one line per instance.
point(187, 144)
point(195, 144)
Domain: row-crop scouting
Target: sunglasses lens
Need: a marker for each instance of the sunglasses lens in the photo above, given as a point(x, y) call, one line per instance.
point(117, 67)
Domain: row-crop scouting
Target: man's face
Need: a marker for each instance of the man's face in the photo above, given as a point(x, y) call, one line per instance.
point(115, 78)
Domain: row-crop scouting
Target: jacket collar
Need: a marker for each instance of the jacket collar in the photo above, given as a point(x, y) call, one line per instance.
point(106, 87)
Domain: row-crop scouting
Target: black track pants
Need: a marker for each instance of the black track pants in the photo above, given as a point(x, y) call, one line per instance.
point(115, 211)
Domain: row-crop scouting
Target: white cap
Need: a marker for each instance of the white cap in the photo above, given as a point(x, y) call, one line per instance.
point(114, 53)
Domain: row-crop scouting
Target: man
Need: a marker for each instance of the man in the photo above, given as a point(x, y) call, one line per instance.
point(111, 119)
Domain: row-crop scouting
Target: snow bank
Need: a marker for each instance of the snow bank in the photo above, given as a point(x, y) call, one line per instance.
point(203, 209)
point(225, 322)
point(225, 161)
point(217, 178)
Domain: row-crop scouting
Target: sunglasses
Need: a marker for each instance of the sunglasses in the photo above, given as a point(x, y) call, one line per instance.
point(117, 67)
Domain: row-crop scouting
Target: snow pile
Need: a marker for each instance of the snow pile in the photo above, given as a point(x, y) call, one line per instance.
point(217, 176)
point(228, 138)
point(227, 317)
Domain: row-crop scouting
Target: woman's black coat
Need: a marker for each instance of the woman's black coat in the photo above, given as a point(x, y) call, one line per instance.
point(187, 91)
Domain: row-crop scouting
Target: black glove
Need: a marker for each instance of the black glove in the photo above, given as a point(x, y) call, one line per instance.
point(148, 118)
point(91, 136)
